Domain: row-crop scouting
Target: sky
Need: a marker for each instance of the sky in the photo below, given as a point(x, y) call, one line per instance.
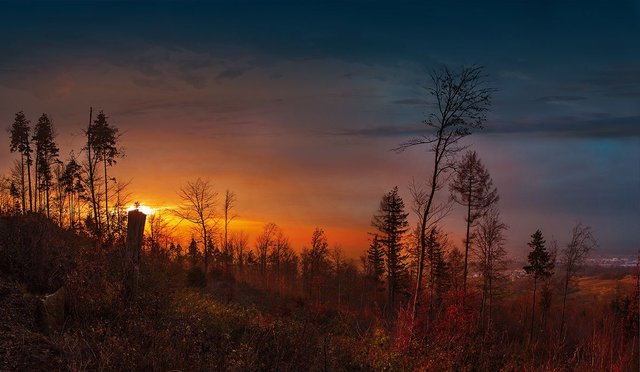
point(295, 105)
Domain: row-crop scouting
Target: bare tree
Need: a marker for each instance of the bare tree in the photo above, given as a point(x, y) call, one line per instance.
point(461, 104)
point(264, 244)
point(239, 241)
point(229, 204)
point(198, 201)
point(159, 232)
point(572, 258)
point(489, 243)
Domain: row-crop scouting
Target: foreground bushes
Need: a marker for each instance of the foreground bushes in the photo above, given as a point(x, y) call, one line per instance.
point(174, 323)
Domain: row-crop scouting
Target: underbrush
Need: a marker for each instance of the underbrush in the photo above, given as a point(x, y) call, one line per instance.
point(175, 323)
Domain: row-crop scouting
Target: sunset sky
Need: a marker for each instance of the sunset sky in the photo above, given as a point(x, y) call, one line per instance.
point(296, 105)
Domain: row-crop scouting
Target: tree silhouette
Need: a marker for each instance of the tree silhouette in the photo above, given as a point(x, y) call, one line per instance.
point(264, 243)
point(315, 264)
point(104, 138)
point(229, 204)
point(461, 104)
point(438, 268)
point(375, 259)
point(194, 254)
point(540, 267)
point(72, 184)
point(472, 187)
point(572, 258)
point(21, 143)
point(46, 153)
point(197, 206)
point(489, 243)
point(391, 223)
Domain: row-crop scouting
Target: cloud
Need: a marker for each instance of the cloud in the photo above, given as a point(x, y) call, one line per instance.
point(231, 73)
point(410, 101)
point(384, 131)
point(560, 99)
point(598, 127)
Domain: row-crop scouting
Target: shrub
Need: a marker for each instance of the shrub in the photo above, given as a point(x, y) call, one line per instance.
point(196, 277)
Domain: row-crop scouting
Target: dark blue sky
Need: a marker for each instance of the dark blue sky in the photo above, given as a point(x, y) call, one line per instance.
point(296, 104)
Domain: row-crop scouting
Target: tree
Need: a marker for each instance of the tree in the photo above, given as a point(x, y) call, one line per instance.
point(46, 153)
point(229, 204)
point(92, 164)
point(540, 267)
point(391, 223)
point(490, 253)
point(572, 258)
point(198, 201)
point(21, 143)
point(472, 187)
point(194, 254)
point(438, 268)
point(159, 232)
point(104, 138)
point(239, 242)
point(315, 264)
point(375, 259)
point(461, 104)
point(264, 243)
point(72, 183)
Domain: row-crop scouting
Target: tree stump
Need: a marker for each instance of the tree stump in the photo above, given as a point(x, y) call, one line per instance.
point(135, 232)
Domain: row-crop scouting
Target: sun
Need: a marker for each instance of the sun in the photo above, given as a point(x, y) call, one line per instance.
point(142, 208)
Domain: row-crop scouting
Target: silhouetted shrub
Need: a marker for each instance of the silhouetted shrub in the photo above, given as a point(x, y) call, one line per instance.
point(196, 278)
point(36, 251)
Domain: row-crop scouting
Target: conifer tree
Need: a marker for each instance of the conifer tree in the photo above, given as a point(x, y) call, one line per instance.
point(375, 257)
point(72, 184)
point(391, 223)
point(438, 268)
point(46, 154)
point(472, 188)
point(194, 254)
point(104, 139)
point(21, 142)
point(540, 267)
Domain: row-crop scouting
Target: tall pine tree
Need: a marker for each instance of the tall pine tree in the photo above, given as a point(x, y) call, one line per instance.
point(21, 143)
point(391, 223)
point(540, 267)
point(46, 154)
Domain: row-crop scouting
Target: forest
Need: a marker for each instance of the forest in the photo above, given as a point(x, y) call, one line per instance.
point(416, 299)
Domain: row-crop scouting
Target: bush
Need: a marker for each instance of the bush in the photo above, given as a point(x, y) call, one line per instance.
point(37, 252)
point(196, 277)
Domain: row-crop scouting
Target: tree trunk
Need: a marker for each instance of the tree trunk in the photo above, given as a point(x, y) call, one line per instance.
point(106, 194)
point(423, 228)
point(205, 250)
point(37, 184)
point(24, 201)
point(94, 203)
point(564, 302)
point(46, 190)
point(29, 180)
point(466, 247)
point(533, 306)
